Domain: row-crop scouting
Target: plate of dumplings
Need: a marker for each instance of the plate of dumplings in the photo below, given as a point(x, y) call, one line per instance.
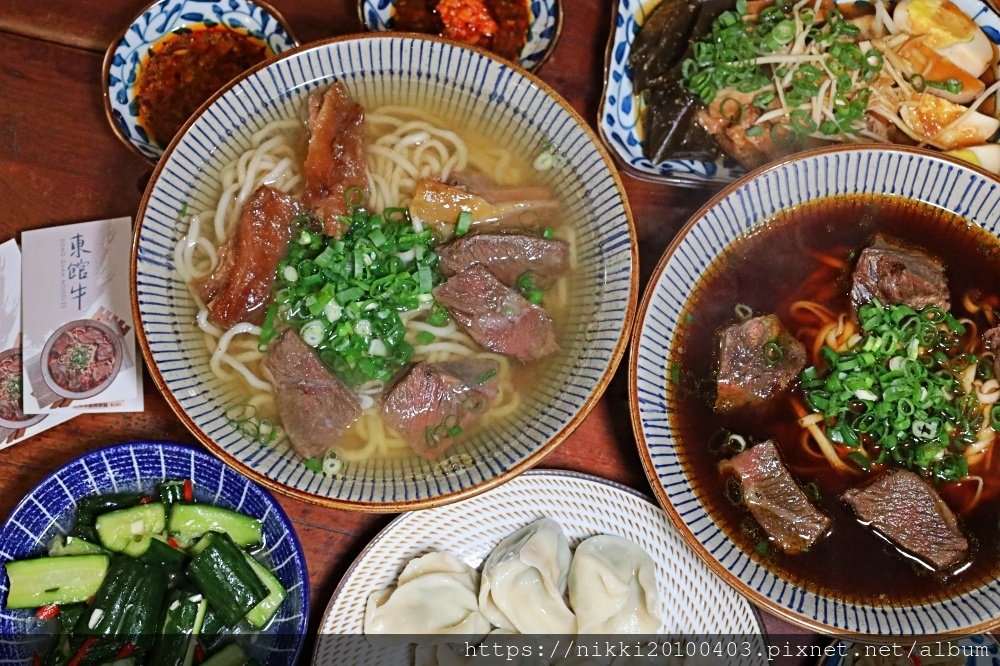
point(550, 553)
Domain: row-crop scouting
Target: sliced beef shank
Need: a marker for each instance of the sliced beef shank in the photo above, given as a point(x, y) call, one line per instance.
point(496, 316)
point(508, 257)
point(992, 340)
point(314, 406)
point(335, 160)
point(775, 499)
point(907, 511)
point(435, 402)
point(751, 370)
point(239, 288)
point(898, 275)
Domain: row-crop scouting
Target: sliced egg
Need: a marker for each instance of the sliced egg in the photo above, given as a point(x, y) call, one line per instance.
point(948, 31)
point(945, 124)
point(986, 156)
point(929, 64)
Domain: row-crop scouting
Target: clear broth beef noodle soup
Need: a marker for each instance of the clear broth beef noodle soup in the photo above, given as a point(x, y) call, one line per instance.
point(834, 387)
point(376, 282)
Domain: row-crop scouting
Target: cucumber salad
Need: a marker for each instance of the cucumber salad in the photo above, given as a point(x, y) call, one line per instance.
point(149, 579)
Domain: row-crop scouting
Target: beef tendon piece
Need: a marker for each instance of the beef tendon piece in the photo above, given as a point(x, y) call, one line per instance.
point(908, 512)
point(775, 499)
point(314, 406)
point(508, 257)
point(436, 402)
point(758, 359)
point(895, 274)
point(239, 288)
point(335, 161)
point(496, 316)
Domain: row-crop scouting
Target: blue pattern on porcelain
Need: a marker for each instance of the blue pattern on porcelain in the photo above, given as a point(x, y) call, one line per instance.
point(49, 509)
point(497, 100)
point(160, 19)
point(618, 118)
point(546, 16)
point(746, 204)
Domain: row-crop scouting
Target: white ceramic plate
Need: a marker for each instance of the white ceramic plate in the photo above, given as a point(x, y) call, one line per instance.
point(694, 600)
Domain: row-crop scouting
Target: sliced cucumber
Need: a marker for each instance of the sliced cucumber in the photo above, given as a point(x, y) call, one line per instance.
point(261, 614)
point(71, 545)
point(231, 655)
point(130, 531)
point(163, 555)
point(223, 575)
point(175, 644)
point(190, 521)
point(128, 608)
point(54, 580)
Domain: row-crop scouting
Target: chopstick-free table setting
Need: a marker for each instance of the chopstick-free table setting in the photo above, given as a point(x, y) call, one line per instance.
point(60, 163)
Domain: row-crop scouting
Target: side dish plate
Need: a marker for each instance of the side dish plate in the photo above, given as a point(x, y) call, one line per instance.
point(694, 600)
point(915, 174)
point(621, 127)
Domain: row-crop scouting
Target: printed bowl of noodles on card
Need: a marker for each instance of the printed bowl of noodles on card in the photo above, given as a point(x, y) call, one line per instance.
point(373, 290)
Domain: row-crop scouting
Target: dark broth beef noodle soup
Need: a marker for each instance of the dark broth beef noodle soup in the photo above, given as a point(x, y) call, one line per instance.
point(838, 452)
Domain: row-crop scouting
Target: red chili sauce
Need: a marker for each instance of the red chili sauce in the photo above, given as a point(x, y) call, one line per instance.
point(185, 68)
point(498, 25)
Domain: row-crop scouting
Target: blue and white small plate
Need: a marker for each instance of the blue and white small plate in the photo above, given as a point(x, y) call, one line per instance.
point(618, 118)
point(543, 32)
point(736, 211)
point(127, 53)
point(49, 509)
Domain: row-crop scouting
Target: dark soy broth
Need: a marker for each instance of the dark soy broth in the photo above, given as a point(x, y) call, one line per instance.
point(768, 270)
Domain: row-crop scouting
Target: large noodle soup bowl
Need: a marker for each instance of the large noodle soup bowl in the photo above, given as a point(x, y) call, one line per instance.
point(492, 98)
point(740, 211)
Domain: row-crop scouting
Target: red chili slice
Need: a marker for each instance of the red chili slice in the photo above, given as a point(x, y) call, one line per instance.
point(126, 650)
point(47, 612)
point(82, 652)
point(188, 490)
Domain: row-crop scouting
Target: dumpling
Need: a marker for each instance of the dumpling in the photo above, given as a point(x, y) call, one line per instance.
point(524, 580)
point(612, 587)
point(435, 594)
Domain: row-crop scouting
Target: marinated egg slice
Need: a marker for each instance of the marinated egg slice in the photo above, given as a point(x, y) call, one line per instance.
point(945, 124)
point(936, 70)
point(987, 156)
point(948, 31)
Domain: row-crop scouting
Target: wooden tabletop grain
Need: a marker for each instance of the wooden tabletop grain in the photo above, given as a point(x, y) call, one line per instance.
point(61, 163)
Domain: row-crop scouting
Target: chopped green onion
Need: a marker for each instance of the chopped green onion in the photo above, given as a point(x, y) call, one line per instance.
point(464, 223)
point(773, 354)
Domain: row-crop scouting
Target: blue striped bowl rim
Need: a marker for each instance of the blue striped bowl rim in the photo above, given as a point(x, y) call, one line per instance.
point(749, 202)
point(49, 509)
point(494, 97)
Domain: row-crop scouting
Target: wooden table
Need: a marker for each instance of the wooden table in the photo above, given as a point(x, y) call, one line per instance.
point(61, 163)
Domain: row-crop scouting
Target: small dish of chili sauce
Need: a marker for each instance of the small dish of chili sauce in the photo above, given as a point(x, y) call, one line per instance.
point(175, 55)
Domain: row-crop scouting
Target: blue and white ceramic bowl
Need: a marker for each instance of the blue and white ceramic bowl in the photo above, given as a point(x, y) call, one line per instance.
point(493, 97)
point(543, 32)
point(618, 118)
point(126, 54)
point(48, 510)
point(741, 207)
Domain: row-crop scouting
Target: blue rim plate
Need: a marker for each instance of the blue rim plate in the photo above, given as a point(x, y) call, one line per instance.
point(48, 510)
point(543, 32)
point(744, 205)
point(618, 118)
point(126, 53)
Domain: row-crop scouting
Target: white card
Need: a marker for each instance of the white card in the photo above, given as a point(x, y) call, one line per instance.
point(15, 425)
point(79, 345)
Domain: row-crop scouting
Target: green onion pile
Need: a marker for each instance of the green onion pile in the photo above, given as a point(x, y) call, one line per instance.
point(729, 59)
point(895, 396)
point(344, 295)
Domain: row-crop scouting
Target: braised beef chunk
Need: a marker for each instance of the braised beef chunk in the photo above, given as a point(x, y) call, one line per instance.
point(775, 500)
point(496, 316)
point(335, 160)
point(508, 257)
point(758, 358)
point(992, 340)
point(907, 511)
point(239, 289)
point(314, 406)
point(898, 275)
point(435, 402)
